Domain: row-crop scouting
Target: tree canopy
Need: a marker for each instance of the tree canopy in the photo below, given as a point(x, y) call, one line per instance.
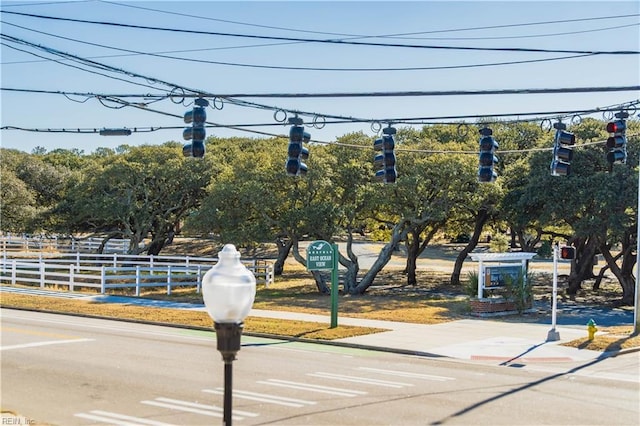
point(240, 193)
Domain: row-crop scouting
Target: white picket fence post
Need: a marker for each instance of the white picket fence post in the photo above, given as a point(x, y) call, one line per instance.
point(137, 280)
point(169, 280)
point(71, 276)
point(13, 272)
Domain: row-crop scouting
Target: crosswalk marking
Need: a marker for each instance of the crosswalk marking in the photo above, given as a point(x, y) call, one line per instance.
point(271, 399)
point(118, 419)
point(407, 374)
point(355, 379)
point(194, 407)
point(312, 388)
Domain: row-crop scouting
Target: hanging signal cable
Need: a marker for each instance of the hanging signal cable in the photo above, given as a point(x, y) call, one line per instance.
point(186, 91)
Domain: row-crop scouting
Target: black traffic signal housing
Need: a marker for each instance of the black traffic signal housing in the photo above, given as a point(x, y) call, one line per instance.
point(617, 142)
point(196, 133)
point(562, 151)
point(296, 151)
point(567, 252)
point(385, 162)
point(487, 158)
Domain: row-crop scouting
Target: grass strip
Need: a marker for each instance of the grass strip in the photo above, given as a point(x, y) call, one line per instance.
point(277, 327)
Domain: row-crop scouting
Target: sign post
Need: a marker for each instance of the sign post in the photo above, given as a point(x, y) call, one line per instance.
point(322, 256)
point(553, 334)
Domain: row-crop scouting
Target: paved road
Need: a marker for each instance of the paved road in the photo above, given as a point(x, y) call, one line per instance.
point(79, 371)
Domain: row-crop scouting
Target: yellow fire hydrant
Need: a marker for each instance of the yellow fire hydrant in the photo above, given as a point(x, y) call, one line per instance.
point(591, 328)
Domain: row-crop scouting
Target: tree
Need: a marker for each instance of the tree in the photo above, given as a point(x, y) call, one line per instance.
point(146, 191)
point(592, 208)
point(18, 203)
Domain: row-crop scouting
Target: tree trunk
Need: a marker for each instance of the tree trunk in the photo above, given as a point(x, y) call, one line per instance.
point(413, 247)
point(481, 218)
point(351, 263)
point(582, 265)
point(623, 274)
point(399, 233)
point(284, 248)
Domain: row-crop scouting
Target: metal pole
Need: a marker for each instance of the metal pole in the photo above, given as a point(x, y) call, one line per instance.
point(228, 390)
point(334, 287)
point(553, 335)
point(636, 320)
point(228, 336)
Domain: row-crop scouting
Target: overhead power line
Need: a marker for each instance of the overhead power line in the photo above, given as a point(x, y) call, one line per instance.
point(397, 35)
point(413, 93)
point(329, 41)
point(164, 55)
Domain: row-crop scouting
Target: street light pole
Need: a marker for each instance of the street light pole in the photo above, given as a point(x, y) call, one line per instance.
point(228, 338)
point(228, 290)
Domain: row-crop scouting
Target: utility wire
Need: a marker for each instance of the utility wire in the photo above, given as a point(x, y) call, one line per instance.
point(412, 93)
point(164, 55)
point(395, 36)
point(328, 41)
point(232, 101)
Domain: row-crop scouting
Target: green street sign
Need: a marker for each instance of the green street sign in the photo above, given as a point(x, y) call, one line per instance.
point(320, 256)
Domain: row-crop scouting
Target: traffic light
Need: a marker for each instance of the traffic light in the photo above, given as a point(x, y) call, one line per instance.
point(617, 142)
point(385, 162)
point(196, 133)
point(487, 158)
point(297, 151)
point(567, 252)
point(562, 151)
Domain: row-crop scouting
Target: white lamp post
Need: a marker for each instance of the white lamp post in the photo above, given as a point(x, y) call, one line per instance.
point(228, 290)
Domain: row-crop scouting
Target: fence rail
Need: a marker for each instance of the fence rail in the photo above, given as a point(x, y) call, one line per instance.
point(11, 242)
point(105, 272)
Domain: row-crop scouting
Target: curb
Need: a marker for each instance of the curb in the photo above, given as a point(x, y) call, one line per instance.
point(251, 334)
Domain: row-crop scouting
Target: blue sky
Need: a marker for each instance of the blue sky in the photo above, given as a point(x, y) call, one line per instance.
point(516, 24)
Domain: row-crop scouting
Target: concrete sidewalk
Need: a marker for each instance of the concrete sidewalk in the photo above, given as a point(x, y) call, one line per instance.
point(468, 339)
point(482, 340)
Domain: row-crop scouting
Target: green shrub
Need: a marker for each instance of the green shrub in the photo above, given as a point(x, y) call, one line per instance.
point(471, 285)
point(520, 290)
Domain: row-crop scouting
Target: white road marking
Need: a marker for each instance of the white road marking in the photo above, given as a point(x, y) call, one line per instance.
point(407, 374)
point(271, 399)
point(312, 388)
point(355, 379)
point(44, 343)
point(194, 407)
point(119, 328)
point(118, 419)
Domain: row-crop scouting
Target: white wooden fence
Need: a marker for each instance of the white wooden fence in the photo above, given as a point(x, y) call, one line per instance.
point(104, 272)
point(10, 242)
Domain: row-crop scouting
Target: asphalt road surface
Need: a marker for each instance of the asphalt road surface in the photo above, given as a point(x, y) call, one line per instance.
point(65, 370)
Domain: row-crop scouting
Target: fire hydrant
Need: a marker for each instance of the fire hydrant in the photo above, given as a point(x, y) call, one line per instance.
point(591, 328)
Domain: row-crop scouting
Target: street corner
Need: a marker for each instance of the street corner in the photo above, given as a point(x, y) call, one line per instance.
point(513, 350)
